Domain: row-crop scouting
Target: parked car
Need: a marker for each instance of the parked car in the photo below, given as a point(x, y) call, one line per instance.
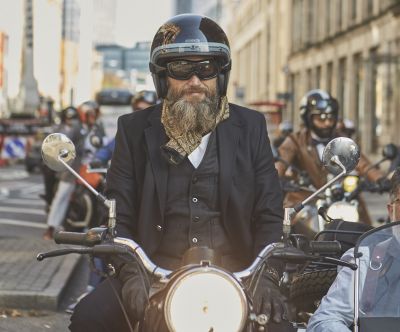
point(114, 97)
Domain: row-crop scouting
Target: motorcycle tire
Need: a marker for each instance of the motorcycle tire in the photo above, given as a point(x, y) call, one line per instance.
point(80, 213)
point(307, 289)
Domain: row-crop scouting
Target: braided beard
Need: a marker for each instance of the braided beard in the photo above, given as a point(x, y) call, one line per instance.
point(197, 117)
point(186, 121)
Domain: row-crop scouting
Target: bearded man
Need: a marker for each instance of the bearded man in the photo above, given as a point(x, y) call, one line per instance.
point(194, 171)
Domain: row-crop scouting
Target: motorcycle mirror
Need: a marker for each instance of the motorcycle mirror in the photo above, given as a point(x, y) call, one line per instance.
point(390, 151)
point(57, 145)
point(343, 149)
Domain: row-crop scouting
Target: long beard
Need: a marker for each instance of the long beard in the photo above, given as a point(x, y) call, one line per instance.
point(192, 116)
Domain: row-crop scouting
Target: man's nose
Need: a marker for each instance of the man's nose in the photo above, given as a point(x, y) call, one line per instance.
point(194, 80)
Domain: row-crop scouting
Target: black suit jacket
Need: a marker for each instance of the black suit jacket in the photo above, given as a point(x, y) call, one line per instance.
point(250, 194)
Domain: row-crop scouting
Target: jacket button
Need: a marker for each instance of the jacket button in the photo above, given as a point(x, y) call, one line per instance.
point(196, 219)
point(194, 240)
point(159, 228)
point(194, 200)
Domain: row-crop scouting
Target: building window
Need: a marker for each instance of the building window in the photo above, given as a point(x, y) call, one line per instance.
point(358, 92)
point(339, 15)
point(353, 11)
point(370, 8)
point(309, 79)
point(318, 77)
point(328, 15)
point(341, 88)
point(329, 76)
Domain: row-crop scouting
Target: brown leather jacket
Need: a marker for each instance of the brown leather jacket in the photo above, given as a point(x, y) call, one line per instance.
point(298, 150)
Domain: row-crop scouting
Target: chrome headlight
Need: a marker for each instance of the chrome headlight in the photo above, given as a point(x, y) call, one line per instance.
point(205, 299)
point(344, 211)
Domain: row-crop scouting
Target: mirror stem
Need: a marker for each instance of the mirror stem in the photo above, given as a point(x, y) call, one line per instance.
point(112, 217)
point(110, 203)
point(291, 212)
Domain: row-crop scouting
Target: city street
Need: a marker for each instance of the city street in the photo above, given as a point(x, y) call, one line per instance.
point(23, 219)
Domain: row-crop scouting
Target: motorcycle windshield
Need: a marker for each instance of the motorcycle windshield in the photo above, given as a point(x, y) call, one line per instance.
point(379, 274)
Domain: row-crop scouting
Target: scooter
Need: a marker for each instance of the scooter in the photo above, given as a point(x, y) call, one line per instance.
point(200, 295)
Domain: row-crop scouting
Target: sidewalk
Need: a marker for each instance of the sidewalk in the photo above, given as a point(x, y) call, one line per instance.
point(27, 283)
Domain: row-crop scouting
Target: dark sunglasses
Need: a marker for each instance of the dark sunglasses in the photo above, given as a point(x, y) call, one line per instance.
point(324, 116)
point(185, 69)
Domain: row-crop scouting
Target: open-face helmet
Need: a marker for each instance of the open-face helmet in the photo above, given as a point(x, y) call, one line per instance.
point(189, 35)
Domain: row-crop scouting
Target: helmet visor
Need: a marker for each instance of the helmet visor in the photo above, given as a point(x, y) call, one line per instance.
point(185, 69)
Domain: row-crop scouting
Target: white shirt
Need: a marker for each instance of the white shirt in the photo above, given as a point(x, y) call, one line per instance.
point(197, 155)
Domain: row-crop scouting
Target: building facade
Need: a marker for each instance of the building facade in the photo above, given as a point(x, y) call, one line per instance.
point(259, 34)
point(350, 48)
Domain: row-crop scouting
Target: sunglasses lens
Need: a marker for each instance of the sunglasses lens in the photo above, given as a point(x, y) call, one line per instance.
point(183, 70)
point(207, 70)
point(180, 70)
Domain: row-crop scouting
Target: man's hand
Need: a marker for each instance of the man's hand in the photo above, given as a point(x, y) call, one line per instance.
point(269, 301)
point(134, 291)
point(96, 163)
point(384, 184)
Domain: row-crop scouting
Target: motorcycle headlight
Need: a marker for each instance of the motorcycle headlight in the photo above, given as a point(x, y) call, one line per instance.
point(344, 211)
point(350, 183)
point(205, 299)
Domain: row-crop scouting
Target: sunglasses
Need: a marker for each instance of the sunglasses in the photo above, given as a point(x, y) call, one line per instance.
point(324, 117)
point(185, 69)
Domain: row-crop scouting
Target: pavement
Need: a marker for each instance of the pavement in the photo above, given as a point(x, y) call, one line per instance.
point(33, 294)
point(28, 284)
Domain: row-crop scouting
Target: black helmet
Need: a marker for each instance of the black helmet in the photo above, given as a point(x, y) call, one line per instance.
point(189, 35)
point(318, 102)
point(148, 96)
point(69, 113)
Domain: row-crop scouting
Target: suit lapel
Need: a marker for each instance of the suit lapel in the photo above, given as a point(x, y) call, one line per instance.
point(228, 133)
point(155, 138)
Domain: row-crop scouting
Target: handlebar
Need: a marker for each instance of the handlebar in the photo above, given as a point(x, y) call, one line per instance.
point(92, 237)
point(325, 247)
point(369, 186)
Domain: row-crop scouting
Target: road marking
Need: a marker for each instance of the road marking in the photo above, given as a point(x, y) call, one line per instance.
point(22, 223)
point(34, 202)
point(22, 210)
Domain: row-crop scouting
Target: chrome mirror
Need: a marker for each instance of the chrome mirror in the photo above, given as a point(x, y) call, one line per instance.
point(340, 154)
point(55, 147)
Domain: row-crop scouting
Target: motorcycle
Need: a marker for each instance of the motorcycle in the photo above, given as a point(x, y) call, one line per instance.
point(83, 211)
point(200, 295)
point(340, 201)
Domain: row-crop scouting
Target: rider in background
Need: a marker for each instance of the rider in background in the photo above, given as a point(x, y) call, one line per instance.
point(140, 101)
point(285, 128)
point(319, 112)
point(72, 127)
point(89, 113)
point(335, 313)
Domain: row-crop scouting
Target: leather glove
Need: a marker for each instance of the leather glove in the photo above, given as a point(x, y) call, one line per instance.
point(269, 301)
point(96, 163)
point(135, 292)
point(383, 184)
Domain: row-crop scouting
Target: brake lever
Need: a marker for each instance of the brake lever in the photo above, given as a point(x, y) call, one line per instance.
point(62, 252)
point(100, 249)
